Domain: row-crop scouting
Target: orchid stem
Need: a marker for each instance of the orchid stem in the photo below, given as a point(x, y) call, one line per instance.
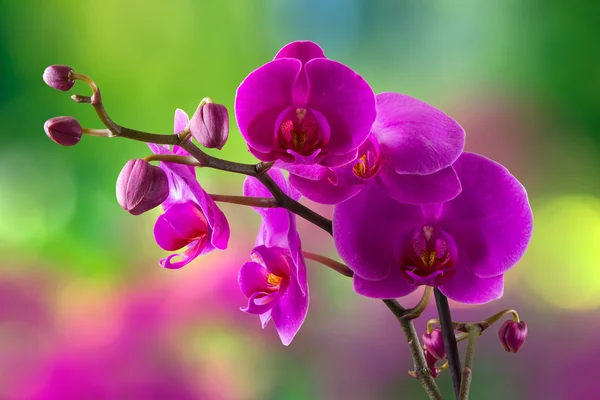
point(449, 339)
point(418, 309)
point(186, 160)
point(474, 331)
point(205, 160)
point(262, 202)
point(328, 262)
point(421, 372)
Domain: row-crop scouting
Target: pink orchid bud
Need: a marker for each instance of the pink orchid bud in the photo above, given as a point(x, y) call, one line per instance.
point(434, 343)
point(141, 186)
point(512, 335)
point(59, 77)
point(65, 131)
point(210, 125)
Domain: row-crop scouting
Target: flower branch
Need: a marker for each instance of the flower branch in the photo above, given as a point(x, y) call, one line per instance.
point(450, 344)
point(421, 370)
point(203, 159)
point(473, 331)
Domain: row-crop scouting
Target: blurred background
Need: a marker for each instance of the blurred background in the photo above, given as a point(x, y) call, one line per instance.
point(87, 313)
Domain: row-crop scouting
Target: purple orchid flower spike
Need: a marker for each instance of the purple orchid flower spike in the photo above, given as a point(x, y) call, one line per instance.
point(409, 153)
point(275, 280)
point(303, 108)
point(191, 218)
point(463, 246)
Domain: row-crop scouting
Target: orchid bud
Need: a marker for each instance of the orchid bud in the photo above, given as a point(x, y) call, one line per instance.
point(141, 186)
point(65, 131)
point(210, 125)
point(59, 77)
point(512, 335)
point(431, 360)
point(434, 343)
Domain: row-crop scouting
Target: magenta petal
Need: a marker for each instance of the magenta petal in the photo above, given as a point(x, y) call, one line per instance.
point(435, 188)
point(179, 225)
point(275, 225)
point(337, 160)
point(368, 227)
point(345, 99)
point(194, 250)
point(289, 312)
point(261, 97)
point(302, 50)
point(252, 278)
point(295, 246)
point(323, 191)
point(395, 285)
point(274, 259)
point(491, 219)
point(416, 137)
point(465, 287)
point(181, 120)
point(260, 302)
point(183, 186)
point(312, 172)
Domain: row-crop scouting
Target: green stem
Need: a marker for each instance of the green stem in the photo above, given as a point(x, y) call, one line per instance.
point(328, 262)
point(421, 370)
point(474, 330)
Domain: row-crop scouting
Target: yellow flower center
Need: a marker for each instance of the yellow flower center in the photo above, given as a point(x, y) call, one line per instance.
point(273, 279)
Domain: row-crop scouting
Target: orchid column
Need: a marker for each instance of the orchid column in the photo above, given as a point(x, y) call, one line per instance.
point(410, 208)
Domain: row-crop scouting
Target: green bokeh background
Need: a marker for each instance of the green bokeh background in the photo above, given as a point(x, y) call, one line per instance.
point(522, 77)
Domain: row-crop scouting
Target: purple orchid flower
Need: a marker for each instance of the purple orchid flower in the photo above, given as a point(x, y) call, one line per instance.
point(463, 246)
point(191, 218)
point(409, 153)
point(275, 280)
point(303, 108)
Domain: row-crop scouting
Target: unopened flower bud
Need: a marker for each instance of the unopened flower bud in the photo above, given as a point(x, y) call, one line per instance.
point(141, 186)
point(59, 77)
point(210, 125)
point(65, 131)
point(431, 363)
point(512, 335)
point(434, 343)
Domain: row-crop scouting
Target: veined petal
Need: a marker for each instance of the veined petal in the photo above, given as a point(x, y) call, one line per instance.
point(491, 219)
point(275, 259)
point(194, 249)
point(466, 287)
point(184, 187)
point(367, 228)
point(345, 99)
point(261, 97)
point(414, 136)
point(260, 302)
point(253, 278)
point(395, 285)
point(181, 120)
point(323, 190)
point(303, 50)
point(434, 188)
point(289, 312)
point(179, 225)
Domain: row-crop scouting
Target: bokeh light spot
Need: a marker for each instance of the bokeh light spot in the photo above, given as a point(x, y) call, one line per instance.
point(562, 265)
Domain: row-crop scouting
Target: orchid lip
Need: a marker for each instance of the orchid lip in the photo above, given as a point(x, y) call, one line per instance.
point(430, 258)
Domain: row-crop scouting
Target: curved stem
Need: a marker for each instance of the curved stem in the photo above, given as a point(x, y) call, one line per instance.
point(418, 309)
point(328, 262)
point(449, 339)
point(474, 330)
point(262, 202)
point(421, 372)
point(186, 160)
